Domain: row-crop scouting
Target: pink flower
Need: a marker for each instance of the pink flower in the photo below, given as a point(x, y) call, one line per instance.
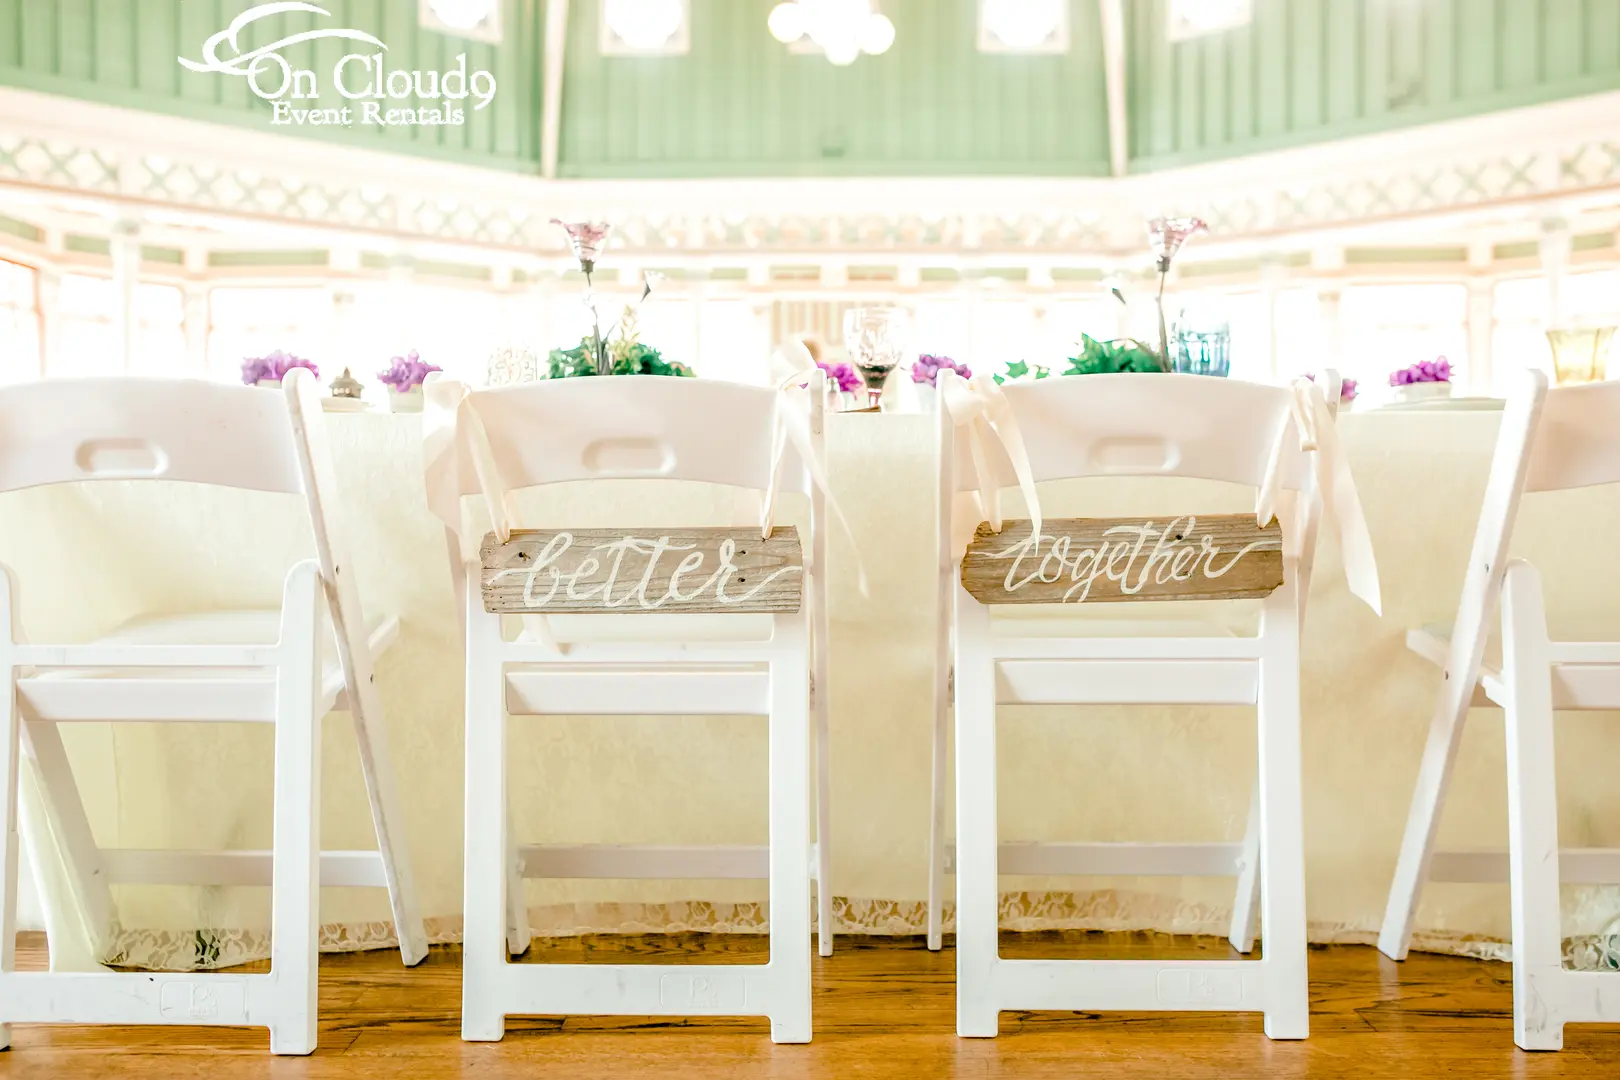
point(1427, 371)
point(1166, 235)
point(586, 238)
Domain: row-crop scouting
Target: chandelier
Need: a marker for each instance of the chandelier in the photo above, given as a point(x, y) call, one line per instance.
point(843, 29)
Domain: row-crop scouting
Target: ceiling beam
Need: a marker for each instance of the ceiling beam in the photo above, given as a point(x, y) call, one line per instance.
point(1112, 13)
point(556, 52)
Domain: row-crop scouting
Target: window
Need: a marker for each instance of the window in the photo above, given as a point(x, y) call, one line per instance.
point(246, 322)
point(88, 342)
point(1520, 312)
point(19, 323)
point(454, 329)
point(1383, 328)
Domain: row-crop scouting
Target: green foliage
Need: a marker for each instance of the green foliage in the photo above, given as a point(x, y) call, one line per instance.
point(1106, 357)
point(1019, 369)
point(1096, 358)
point(626, 355)
point(633, 359)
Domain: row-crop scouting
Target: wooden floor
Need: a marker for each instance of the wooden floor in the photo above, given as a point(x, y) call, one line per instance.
point(883, 1008)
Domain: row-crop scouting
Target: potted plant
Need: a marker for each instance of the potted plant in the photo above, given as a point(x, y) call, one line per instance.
point(404, 379)
point(1427, 381)
point(268, 370)
point(925, 378)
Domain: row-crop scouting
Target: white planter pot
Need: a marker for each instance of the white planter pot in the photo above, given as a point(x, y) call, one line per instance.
point(1423, 391)
point(269, 384)
point(409, 401)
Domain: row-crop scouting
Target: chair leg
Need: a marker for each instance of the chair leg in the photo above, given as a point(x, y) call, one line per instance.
point(64, 809)
point(977, 895)
point(388, 821)
point(486, 884)
point(936, 815)
point(790, 842)
point(296, 856)
point(1538, 1022)
point(824, 891)
point(518, 934)
point(1423, 819)
point(10, 840)
point(1282, 843)
point(1246, 902)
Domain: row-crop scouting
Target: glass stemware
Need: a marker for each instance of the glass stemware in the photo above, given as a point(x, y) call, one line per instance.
point(877, 339)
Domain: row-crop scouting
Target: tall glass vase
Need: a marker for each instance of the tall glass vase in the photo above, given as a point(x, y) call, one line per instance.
point(1579, 354)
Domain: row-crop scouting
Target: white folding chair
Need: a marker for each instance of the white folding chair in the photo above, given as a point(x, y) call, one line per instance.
point(642, 664)
point(941, 855)
point(1549, 441)
point(288, 667)
point(1136, 425)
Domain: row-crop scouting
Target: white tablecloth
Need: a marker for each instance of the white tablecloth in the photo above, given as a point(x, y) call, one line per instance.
point(93, 557)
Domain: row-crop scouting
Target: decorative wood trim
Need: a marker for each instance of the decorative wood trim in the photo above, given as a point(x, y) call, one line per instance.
point(1101, 560)
point(603, 571)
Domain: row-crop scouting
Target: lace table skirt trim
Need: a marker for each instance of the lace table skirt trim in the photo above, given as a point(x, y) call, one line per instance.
point(195, 950)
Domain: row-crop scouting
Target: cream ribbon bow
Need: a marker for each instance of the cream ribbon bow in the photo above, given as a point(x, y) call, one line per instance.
point(1319, 436)
point(979, 409)
point(792, 366)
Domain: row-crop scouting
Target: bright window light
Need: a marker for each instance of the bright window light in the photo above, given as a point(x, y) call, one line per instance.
point(1024, 26)
point(480, 19)
point(1194, 18)
point(645, 27)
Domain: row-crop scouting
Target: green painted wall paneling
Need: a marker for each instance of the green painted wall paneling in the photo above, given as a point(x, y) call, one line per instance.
point(1310, 70)
point(125, 52)
point(742, 104)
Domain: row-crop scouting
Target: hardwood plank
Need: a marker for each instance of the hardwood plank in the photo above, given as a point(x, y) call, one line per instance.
point(885, 1007)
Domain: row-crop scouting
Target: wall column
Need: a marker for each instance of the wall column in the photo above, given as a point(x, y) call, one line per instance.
point(1273, 278)
point(49, 299)
point(1328, 298)
point(125, 247)
point(1481, 329)
point(1556, 245)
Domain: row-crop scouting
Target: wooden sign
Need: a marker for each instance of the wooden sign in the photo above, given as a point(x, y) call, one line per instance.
point(1101, 560)
point(555, 571)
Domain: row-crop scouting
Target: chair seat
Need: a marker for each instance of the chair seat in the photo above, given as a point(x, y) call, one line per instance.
point(1586, 668)
point(1574, 642)
point(658, 628)
point(179, 693)
point(1180, 619)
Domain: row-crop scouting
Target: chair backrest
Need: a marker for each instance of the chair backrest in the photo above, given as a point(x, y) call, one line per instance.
point(1140, 424)
point(1576, 442)
point(59, 431)
point(631, 427)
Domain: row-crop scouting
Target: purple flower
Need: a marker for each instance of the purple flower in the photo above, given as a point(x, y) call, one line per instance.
point(586, 238)
point(1166, 235)
point(274, 366)
point(406, 372)
point(845, 375)
point(1427, 371)
point(1347, 388)
point(255, 368)
point(926, 370)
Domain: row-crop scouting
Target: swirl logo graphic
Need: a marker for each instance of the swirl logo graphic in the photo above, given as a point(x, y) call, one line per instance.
point(247, 64)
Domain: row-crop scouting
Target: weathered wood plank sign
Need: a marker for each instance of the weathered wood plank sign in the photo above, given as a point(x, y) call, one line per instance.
point(1100, 560)
point(572, 571)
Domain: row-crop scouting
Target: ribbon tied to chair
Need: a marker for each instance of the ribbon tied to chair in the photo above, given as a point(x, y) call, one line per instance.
point(1335, 486)
point(980, 410)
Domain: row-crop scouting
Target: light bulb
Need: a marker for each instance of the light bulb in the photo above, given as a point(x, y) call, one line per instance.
point(1022, 24)
point(843, 52)
point(462, 14)
point(877, 35)
point(644, 24)
point(787, 22)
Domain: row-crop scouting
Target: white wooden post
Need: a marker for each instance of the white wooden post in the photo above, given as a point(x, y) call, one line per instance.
point(126, 268)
